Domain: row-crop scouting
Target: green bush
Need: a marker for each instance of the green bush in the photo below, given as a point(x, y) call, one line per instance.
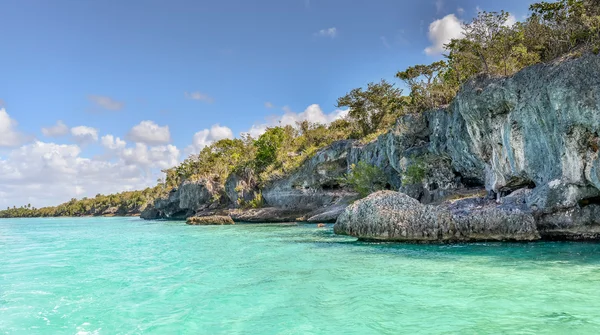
point(365, 179)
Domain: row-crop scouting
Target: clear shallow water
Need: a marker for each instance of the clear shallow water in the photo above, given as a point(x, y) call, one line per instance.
point(128, 276)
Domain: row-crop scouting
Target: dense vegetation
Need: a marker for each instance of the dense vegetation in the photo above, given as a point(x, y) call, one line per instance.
point(490, 46)
point(114, 204)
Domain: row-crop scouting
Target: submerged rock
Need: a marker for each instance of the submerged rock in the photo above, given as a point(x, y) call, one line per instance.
point(267, 215)
point(394, 216)
point(210, 220)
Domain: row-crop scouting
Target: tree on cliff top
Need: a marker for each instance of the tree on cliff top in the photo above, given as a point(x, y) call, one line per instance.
point(375, 108)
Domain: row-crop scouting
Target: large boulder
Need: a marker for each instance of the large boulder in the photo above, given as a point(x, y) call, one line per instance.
point(394, 216)
point(150, 213)
point(577, 223)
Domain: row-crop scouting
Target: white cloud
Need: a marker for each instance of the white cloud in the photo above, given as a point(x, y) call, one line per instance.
point(60, 129)
point(329, 32)
point(199, 96)
point(84, 134)
point(162, 157)
point(46, 174)
point(106, 102)
point(2, 103)
point(460, 11)
point(510, 21)
point(9, 135)
point(149, 132)
point(205, 137)
point(112, 143)
point(312, 113)
point(442, 31)
point(269, 105)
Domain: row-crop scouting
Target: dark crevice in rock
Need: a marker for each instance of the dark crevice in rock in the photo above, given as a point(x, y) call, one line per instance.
point(589, 201)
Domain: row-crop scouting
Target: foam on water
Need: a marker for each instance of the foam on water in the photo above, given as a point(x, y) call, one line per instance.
point(128, 276)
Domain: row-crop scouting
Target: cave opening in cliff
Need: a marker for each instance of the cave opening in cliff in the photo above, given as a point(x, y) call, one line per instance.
point(470, 182)
point(589, 201)
point(331, 186)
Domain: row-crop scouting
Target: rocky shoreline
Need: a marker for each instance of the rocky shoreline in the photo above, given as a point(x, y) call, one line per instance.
point(527, 146)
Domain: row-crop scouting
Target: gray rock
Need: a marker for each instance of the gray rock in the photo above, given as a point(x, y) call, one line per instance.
point(150, 213)
point(267, 215)
point(578, 223)
point(213, 220)
point(315, 184)
point(191, 196)
point(394, 216)
point(241, 187)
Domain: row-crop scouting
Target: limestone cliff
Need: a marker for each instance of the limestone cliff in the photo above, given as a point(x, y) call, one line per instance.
point(533, 136)
point(537, 129)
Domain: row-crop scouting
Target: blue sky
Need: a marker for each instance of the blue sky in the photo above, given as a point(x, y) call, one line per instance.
point(106, 66)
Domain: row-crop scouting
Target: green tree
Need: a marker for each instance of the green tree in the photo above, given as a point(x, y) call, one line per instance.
point(427, 86)
point(375, 108)
point(267, 146)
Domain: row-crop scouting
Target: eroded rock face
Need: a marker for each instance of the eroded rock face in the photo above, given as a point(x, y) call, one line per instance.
point(183, 202)
point(537, 132)
point(538, 129)
point(241, 187)
point(315, 184)
point(539, 126)
point(394, 216)
point(577, 223)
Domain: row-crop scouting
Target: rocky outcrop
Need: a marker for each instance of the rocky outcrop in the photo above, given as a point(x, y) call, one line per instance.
point(213, 220)
point(150, 213)
point(315, 184)
point(190, 197)
point(394, 216)
point(241, 187)
point(531, 141)
point(537, 130)
point(267, 215)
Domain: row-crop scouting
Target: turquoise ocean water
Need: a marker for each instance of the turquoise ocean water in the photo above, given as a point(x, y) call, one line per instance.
point(128, 276)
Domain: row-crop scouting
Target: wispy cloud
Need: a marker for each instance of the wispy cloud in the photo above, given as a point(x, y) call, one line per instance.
point(269, 105)
point(439, 6)
point(105, 102)
point(60, 129)
point(329, 32)
point(385, 42)
point(199, 96)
